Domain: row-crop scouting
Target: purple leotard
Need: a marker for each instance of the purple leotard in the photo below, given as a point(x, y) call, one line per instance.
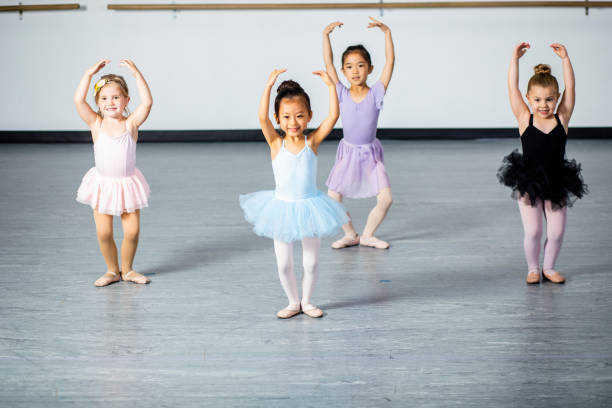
point(359, 171)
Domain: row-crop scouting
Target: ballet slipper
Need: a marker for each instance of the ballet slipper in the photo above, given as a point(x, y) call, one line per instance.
point(106, 279)
point(373, 242)
point(133, 276)
point(289, 312)
point(552, 276)
point(533, 277)
point(345, 242)
point(312, 311)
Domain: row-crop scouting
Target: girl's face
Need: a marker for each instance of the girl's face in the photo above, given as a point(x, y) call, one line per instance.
point(293, 116)
point(543, 101)
point(111, 100)
point(356, 69)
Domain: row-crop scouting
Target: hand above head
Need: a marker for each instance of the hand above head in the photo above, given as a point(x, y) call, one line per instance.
point(273, 76)
point(559, 49)
point(520, 50)
point(331, 27)
point(375, 23)
point(325, 77)
point(129, 64)
point(97, 66)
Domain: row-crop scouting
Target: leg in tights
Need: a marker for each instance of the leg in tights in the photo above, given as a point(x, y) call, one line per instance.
point(104, 230)
point(348, 228)
point(532, 226)
point(310, 247)
point(555, 228)
point(131, 232)
point(378, 213)
point(284, 261)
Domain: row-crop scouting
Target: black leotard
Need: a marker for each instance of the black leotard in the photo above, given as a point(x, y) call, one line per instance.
point(542, 172)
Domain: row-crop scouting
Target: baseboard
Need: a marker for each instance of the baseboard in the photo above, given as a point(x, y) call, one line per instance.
point(253, 135)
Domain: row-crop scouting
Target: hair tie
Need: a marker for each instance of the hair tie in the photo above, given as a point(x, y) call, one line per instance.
point(99, 85)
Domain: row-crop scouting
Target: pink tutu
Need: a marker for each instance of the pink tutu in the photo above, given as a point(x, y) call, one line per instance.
point(359, 171)
point(114, 195)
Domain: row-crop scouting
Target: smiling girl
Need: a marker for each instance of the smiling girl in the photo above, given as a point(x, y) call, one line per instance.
point(359, 171)
point(542, 180)
point(114, 187)
point(296, 210)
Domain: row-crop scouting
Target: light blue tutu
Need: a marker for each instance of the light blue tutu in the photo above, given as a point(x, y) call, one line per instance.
point(296, 209)
point(288, 221)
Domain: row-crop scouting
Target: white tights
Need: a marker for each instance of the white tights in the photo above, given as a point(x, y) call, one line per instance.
point(310, 261)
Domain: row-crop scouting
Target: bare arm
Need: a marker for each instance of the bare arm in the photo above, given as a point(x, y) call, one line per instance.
point(325, 128)
point(517, 103)
point(141, 112)
point(385, 77)
point(271, 135)
point(566, 106)
point(328, 55)
point(80, 96)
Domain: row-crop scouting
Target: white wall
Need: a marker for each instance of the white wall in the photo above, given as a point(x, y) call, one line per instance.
point(207, 69)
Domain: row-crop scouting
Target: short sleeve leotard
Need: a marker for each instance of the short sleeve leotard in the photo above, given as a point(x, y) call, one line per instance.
point(296, 208)
point(359, 170)
point(114, 186)
point(542, 172)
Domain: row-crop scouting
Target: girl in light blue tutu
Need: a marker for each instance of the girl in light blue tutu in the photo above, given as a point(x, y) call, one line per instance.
point(296, 210)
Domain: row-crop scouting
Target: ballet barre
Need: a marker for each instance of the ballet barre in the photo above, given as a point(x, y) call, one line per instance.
point(395, 5)
point(40, 7)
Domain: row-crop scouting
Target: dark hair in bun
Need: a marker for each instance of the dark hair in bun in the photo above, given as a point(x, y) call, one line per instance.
point(290, 89)
point(359, 49)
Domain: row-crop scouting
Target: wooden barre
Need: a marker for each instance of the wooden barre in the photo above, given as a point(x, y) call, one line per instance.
point(41, 7)
point(398, 5)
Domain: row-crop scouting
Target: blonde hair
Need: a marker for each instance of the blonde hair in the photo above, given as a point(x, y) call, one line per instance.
point(543, 78)
point(108, 78)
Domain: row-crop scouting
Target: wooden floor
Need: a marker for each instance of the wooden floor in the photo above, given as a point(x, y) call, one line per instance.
point(443, 318)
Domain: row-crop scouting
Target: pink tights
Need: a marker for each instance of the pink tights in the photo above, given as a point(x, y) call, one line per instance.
point(310, 260)
point(532, 225)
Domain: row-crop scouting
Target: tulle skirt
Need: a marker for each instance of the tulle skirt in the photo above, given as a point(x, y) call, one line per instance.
point(562, 186)
point(113, 196)
point(359, 171)
point(289, 221)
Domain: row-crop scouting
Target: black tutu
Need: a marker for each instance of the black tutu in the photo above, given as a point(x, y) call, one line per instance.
point(561, 185)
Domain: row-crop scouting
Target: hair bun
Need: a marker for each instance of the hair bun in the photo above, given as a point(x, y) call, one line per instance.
point(288, 86)
point(542, 69)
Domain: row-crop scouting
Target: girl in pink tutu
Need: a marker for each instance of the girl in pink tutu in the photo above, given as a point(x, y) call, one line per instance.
point(114, 186)
point(359, 171)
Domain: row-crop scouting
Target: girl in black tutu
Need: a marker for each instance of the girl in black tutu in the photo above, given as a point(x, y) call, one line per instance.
point(542, 180)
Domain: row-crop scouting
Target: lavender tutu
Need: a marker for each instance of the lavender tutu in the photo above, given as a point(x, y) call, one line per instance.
point(359, 171)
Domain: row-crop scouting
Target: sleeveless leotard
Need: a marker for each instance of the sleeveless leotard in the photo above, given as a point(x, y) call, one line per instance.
point(359, 170)
point(114, 185)
point(296, 208)
point(542, 172)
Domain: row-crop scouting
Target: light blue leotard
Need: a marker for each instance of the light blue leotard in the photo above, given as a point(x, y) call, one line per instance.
point(296, 208)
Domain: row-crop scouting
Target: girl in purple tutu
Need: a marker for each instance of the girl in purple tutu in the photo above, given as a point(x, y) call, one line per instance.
point(114, 187)
point(542, 180)
point(359, 171)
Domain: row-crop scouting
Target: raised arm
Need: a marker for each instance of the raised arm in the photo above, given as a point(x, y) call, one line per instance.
point(325, 128)
point(266, 124)
point(566, 106)
point(385, 77)
point(517, 103)
point(141, 112)
point(80, 96)
point(328, 55)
